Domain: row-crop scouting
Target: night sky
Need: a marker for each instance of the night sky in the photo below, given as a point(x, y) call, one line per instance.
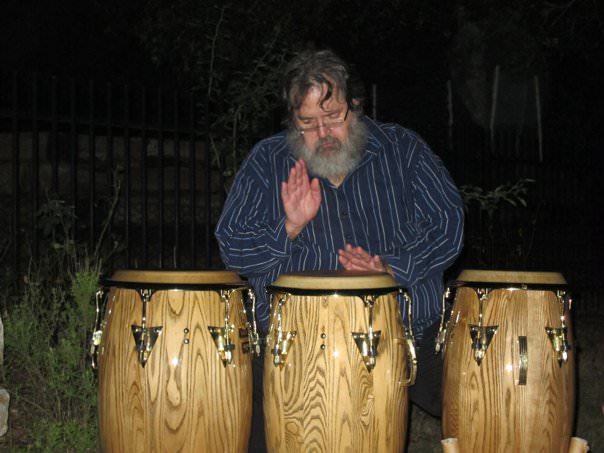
point(392, 43)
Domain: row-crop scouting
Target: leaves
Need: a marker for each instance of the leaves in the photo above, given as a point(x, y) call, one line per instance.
point(489, 201)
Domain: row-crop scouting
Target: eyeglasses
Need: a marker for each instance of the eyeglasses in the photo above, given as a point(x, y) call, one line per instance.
point(327, 123)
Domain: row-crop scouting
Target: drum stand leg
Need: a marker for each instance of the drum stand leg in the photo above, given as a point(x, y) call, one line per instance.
point(450, 445)
point(578, 445)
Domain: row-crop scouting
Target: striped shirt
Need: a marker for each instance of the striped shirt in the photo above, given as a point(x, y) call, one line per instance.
point(399, 203)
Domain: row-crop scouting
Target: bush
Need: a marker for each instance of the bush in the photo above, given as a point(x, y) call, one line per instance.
point(47, 331)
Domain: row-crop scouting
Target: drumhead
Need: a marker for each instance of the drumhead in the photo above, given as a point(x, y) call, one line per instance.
point(511, 277)
point(335, 280)
point(173, 277)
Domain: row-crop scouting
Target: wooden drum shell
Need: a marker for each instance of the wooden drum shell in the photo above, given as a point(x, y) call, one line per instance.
point(324, 399)
point(184, 399)
point(485, 407)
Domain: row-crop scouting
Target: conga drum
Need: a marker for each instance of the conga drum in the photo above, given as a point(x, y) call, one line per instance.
point(509, 376)
point(174, 363)
point(335, 370)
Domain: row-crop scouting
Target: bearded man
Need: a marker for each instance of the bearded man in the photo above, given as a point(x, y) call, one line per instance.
point(338, 190)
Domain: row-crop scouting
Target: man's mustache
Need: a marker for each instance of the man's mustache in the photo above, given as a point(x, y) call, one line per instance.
point(328, 141)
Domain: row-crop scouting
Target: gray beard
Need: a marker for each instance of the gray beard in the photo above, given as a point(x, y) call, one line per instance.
point(336, 162)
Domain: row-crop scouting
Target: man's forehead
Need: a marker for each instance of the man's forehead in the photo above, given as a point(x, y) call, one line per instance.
point(316, 98)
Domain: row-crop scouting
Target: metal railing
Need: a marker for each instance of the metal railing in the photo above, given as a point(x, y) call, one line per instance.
point(79, 141)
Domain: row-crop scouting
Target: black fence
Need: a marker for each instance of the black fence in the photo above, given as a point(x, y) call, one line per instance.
point(558, 228)
point(82, 141)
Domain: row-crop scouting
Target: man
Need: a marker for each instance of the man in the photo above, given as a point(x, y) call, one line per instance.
point(338, 190)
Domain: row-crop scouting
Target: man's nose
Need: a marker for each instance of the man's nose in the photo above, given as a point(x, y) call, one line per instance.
point(323, 130)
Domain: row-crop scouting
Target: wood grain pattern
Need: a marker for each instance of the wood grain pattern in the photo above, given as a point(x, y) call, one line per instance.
point(324, 399)
point(184, 399)
point(483, 406)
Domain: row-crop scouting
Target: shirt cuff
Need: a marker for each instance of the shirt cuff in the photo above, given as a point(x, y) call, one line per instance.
point(282, 244)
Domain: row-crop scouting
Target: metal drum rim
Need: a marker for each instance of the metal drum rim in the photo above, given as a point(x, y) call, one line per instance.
point(174, 279)
point(509, 279)
point(272, 289)
point(335, 281)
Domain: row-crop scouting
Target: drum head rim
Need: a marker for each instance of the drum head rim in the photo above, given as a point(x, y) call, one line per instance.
point(330, 281)
point(512, 278)
point(175, 278)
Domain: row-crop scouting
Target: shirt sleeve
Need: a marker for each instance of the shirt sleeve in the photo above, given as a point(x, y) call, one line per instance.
point(250, 232)
point(431, 240)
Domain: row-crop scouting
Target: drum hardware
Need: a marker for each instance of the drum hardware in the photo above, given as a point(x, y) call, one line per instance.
point(523, 360)
point(215, 399)
point(442, 328)
point(558, 336)
point(244, 334)
point(145, 337)
point(410, 340)
point(222, 335)
point(324, 311)
point(481, 335)
point(99, 325)
point(367, 343)
point(283, 339)
point(252, 327)
point(520, 304)
point(323, 336)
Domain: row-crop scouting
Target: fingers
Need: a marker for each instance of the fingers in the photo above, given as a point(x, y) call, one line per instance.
point(356, 258)
point(301, 198)
point(284, 192)
point(315, 188)
point(297, 181)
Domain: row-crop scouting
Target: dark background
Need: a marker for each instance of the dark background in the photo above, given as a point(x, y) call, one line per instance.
point(408, 52)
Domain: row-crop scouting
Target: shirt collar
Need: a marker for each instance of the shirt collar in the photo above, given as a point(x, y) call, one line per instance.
point(375, 140)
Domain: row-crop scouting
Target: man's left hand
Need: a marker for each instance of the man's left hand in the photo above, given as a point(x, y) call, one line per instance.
point(358, 259)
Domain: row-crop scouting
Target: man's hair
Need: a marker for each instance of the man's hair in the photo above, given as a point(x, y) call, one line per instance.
point(318, 68)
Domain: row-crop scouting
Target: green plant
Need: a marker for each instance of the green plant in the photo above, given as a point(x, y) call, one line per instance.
point(46, 368)
point(501, 237)
point(232, 54)
point(47, 331)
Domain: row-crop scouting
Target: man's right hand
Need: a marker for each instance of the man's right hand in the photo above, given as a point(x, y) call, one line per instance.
point(301, 199)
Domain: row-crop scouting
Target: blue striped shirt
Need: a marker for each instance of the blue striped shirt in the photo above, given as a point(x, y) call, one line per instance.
point(399, 203)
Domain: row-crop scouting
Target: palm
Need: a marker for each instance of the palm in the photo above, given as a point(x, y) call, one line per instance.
point(302, 205)
point(301, 198)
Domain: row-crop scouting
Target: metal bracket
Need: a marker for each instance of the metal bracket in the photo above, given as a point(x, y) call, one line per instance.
point(144, 336)
point(557, 336)
point(222, 335)
point(523, 360)
point(367, 346)
point(284, 339)
point(100, 300)
point(481, 339)
point(481, 335)
point(367, 343)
